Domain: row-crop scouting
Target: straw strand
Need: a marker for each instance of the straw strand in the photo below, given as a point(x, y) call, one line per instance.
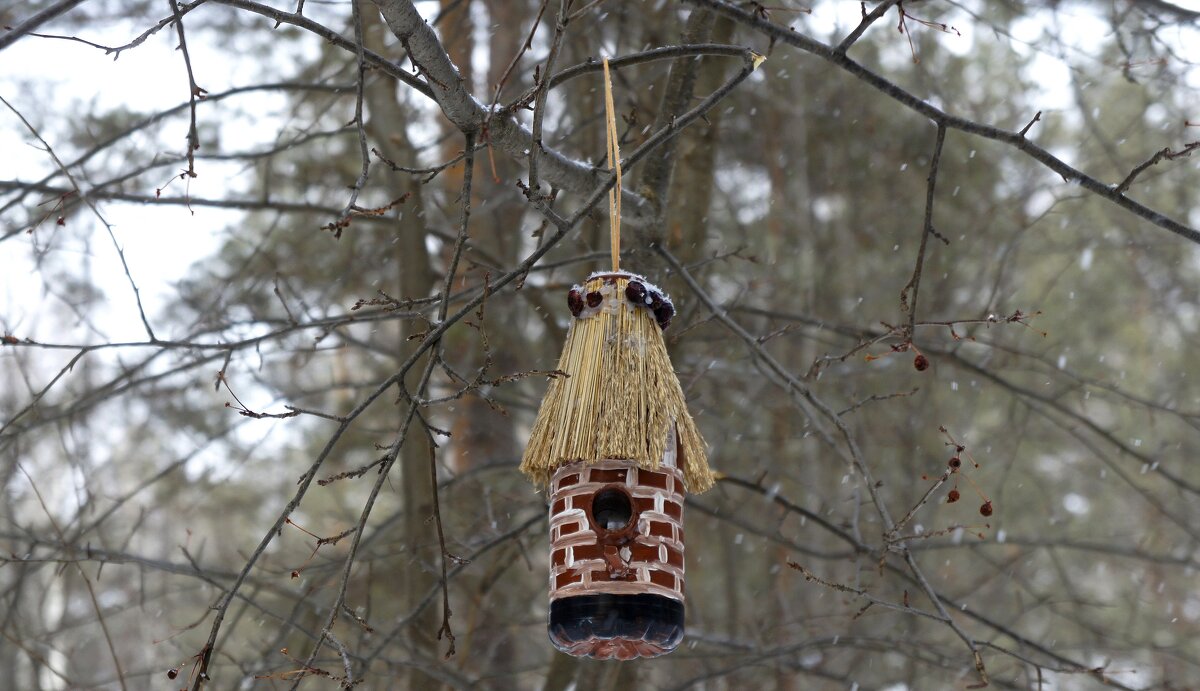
point(614, 163)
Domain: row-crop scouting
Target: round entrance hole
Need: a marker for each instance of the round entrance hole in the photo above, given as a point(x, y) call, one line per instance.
point(611, 509)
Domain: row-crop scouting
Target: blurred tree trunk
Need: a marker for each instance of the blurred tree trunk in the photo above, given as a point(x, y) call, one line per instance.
point(386, 127)
point(692, 188)
point(561, 673)
point(457, 31)
point(481, 434)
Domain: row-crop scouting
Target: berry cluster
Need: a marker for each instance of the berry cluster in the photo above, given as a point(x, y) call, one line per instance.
point(637, 292)
point(647, 296)
point(955, 468)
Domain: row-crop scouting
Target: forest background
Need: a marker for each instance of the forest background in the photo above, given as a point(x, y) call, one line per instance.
point(283, 284)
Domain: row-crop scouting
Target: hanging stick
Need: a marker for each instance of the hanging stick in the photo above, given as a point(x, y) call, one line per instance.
point(614, 163)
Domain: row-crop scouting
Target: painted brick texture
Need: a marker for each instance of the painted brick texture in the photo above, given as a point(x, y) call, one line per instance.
point(644, 557)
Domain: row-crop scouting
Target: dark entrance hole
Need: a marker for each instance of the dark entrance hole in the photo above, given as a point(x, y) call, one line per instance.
point(611, 509)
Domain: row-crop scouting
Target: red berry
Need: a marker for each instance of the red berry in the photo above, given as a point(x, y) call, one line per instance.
point(574, 302)
point(986, 509)
point(636, 293)
point(952, 496)
point(955, 462)
point(594, 298)
point(921, 363)
point(172, 673)
point(663, 314)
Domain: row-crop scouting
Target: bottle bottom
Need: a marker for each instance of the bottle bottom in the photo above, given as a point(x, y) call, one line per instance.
point(621, 627)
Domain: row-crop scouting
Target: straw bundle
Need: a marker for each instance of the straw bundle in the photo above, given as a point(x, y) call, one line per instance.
point(620, 398)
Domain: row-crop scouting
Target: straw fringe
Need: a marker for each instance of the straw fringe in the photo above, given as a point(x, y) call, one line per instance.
point(621, 397)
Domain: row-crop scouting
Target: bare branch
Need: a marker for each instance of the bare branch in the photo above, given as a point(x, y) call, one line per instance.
point(914, 283)
point(87, 200)
point(867, 20)
point(359, 85)
point(194, 92)
point(939, 116)
point(466, 113)
point(26, 27)
point(1166, 153)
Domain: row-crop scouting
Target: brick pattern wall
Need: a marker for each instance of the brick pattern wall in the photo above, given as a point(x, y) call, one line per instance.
point(646, 558)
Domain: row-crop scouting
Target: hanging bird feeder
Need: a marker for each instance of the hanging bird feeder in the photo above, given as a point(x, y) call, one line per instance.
point(615, 444)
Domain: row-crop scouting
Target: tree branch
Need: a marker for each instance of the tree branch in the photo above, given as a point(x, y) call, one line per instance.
point(1014, 139)
point(468, 114)
point(914, 283)
point(681, 83)
point(27, 26)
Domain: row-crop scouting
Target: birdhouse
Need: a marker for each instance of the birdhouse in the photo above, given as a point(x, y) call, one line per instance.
point(617, 449)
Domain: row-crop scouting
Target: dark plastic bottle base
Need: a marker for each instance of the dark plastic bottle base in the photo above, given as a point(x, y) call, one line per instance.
point(616, 626)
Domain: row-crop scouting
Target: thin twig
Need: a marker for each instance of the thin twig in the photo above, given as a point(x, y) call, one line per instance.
point(1166, 153)
point(431, 339)
point(542, 91)
point(676, 95)
point(871, 599)
point(676, 125)
point(24, 28)
point(464, 220)
point(377, 61)
point(877, 397)
point(348, 680)
point(146, 122)
point(116, 51)
point(784, 378)
point(583, 10)
point(918, 105)
point(467, 113)
point(430, 172)
point(112, 650)
point(194, 92)
point(927, 229)
point(641, 58)
point(1036, 118)
point(348, 564)
point(895, 529)
point(359, 86)
point(867, 20)
point(87, 200)
point(537, 21)
point(463, 234)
